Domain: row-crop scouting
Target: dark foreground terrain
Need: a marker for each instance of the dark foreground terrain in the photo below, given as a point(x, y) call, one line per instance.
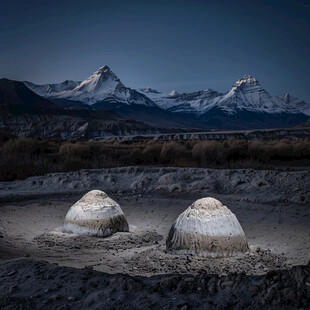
point(29, 284)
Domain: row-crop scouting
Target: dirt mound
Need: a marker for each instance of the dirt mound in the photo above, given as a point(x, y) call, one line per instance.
point(256, 261)
point(117, 242)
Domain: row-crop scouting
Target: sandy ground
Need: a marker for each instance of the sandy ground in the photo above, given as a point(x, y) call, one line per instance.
point(278, 232)
point(278, 236)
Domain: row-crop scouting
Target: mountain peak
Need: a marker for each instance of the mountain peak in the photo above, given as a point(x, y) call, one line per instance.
point(103, 69)
point(173, 93)
point(101, 81)
point(289, 99)
point(102, 85)
point(104, 73)
point(246, 80)
point(149, 90)
point(285, 96)
point(247, 76)
point(209, 90)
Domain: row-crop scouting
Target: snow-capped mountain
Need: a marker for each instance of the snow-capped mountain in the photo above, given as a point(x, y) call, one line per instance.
point(296, 103)
point(50, 90)
point(25, 113)
point(102, 85)
point(246, 105)
point(246, 94)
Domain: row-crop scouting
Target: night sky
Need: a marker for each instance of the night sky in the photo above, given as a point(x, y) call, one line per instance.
point(181, 45)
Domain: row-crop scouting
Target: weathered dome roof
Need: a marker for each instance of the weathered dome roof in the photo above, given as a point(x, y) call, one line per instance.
point(95, 214)
point(207, 228)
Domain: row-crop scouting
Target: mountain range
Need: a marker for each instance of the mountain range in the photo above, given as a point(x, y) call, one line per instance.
point(25, 113)
point(103, 101)
point(246, 94)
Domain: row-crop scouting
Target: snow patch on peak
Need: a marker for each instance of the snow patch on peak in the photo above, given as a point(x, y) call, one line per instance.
point(105, 72)
point(248, 77)
point(247, 81)
point(103, 81)
point(173, 93)
point(104, 68)
point(149, 90)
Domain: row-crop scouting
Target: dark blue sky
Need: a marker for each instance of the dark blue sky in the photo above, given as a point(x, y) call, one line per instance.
point(182, 45)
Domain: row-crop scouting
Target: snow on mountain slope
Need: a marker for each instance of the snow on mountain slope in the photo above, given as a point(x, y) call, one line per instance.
point(167, 101)
point(102, 85)
point(173, 101)
point(49, 90)
point(201, 100)
point(149, 90)
point(246, 94)
point(295, 102)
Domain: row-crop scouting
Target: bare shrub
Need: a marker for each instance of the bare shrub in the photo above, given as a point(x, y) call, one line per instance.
point(171, 152)
point(24, 157)
point(208, 151)
point(152, 152)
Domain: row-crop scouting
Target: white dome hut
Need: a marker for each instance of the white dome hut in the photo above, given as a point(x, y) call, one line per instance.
point(207, 228)
point(95, 214)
